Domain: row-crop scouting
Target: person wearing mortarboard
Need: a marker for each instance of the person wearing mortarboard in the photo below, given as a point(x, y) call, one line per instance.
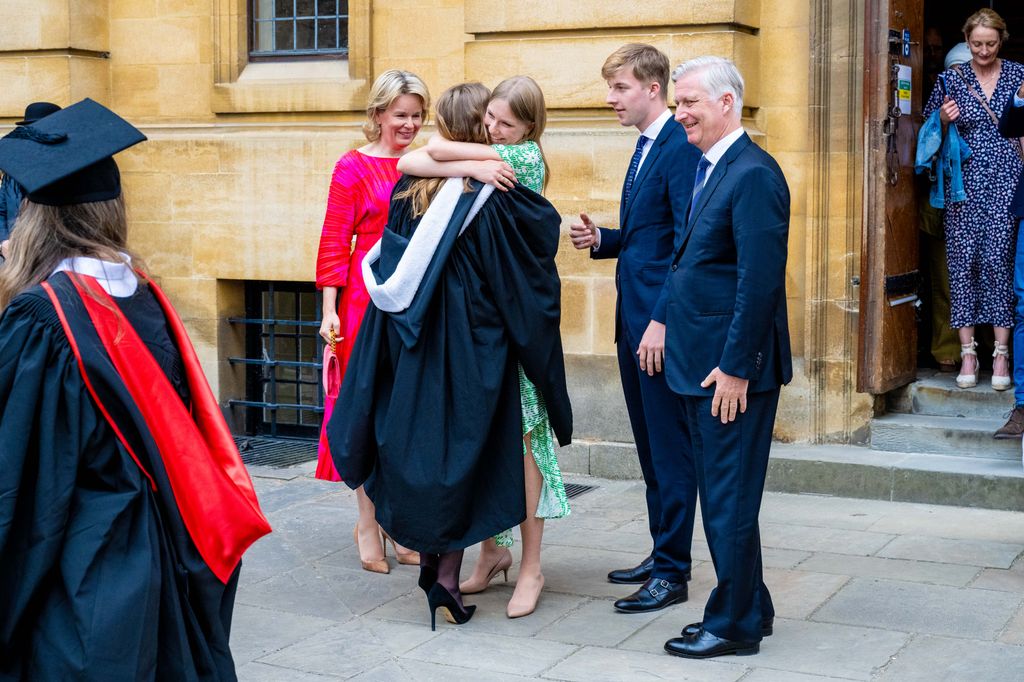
point(11, 193)
point(124, 505)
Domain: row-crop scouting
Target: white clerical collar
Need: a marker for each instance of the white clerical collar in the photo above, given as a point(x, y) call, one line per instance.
point(652, 131)
point(719, 149)
point(117, 278)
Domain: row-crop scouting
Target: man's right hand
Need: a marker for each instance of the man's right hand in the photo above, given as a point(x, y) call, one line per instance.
point(584, 233)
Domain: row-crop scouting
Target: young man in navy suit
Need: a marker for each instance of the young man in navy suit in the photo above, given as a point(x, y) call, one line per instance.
point(651, 214)
point(1012, 125)
point(727, 346)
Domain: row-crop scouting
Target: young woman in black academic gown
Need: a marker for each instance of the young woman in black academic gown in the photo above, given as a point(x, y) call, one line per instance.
point(438, 436)
point(119, 540)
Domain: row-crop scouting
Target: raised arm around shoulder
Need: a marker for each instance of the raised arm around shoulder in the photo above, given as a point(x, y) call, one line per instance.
point(491, 171)
point(443, 149)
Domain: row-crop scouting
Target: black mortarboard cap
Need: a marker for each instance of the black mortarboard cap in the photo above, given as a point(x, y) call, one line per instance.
point(36, 111)
point(66, 157)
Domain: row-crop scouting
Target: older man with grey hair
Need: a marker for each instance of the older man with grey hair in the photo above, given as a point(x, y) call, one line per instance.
point(727, 347)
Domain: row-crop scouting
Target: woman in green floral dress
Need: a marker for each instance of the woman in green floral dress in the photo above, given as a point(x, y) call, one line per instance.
point(515, 119)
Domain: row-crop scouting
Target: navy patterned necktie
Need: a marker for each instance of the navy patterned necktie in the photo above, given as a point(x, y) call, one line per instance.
point(698, 181)
point(634, 165)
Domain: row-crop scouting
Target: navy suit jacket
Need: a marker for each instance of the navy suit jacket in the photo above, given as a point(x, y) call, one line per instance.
point(727, 293)
point(651, 222)
point(1011, 124)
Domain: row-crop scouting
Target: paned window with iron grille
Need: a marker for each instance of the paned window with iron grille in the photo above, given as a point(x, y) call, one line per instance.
point(283, 356)
point(298, 28)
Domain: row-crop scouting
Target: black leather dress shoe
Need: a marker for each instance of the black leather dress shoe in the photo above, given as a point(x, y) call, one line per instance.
point(655, 594)
point(693, 629)
point(637, 575)
point(707, 645)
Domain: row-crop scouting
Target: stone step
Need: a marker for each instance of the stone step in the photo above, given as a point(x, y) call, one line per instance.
point(936, 393)
point(847, 471)
point(959, 436)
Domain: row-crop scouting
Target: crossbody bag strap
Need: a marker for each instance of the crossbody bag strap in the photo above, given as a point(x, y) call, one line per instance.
point(984, 104)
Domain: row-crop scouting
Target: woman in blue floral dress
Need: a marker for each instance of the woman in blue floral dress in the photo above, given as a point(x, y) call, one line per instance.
point(981, 231)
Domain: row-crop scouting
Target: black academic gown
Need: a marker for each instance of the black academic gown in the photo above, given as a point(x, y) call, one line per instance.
point(429, 412)
point(99, 579)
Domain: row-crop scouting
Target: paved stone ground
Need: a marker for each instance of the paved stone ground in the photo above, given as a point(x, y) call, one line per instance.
point(865, 590)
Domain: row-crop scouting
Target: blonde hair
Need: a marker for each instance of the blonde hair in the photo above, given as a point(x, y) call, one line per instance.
point(526, 101)
point(650, 65)
point(388, 87)
point(987, 18)
point(460, 117)
point(44, 235)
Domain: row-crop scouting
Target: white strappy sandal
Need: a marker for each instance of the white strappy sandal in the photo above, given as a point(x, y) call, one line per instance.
point(1001, 383)
point(968, 380)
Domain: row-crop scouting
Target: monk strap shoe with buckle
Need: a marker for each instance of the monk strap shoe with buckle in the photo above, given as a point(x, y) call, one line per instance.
point(654, 595)
point(1013, 429)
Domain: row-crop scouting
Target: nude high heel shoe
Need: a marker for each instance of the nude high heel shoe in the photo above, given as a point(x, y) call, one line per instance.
point(405, 556)
point(519, 605)
point(374, 565)
point(968, 380)
point(501, 566)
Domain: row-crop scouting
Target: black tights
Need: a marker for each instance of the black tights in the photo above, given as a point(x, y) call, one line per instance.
point(443, 569)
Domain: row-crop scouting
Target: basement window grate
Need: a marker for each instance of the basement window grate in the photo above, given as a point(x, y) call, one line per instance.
point(573, 490)
point(275, 452)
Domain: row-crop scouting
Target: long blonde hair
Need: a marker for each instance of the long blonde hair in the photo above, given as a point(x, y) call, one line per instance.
point(526, 101)
point(460, 117)
point(44, 235)
point(388, 87)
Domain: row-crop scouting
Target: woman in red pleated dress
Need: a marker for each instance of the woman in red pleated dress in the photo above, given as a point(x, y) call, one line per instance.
point(357, 206)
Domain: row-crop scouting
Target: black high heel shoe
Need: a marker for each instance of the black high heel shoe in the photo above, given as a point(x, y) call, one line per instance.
point(440, 597)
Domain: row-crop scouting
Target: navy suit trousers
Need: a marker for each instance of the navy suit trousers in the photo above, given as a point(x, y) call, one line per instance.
point(732, 462)
point(663, 446)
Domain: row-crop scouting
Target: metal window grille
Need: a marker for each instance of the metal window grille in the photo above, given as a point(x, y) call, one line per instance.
point(295, 28)
point(283, 356)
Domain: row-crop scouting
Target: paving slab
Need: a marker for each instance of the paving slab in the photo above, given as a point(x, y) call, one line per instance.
point(594, 622)
point(403, 670)
point(1006, 580)
point(902, 569)
point(348, 649)
point(948, 551)
point(913, 607)
point(304, 591)
point(1013, 633)
point(766, 675)
point(261, 672)
point(818, 539)
point(842, 651)
point(596, 664)
point(797, 594)
point(825, 511)
point(951, 522)
point(934, 659)
point(489, 653)
point(256, 632)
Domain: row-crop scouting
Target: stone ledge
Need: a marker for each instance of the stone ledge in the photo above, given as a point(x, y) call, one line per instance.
point(845, 471)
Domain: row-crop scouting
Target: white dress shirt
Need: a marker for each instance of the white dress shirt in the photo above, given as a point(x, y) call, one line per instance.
point(651, 132)
point(718, 150)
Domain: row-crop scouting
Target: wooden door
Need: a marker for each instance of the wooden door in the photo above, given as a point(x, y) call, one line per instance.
point(889, 259)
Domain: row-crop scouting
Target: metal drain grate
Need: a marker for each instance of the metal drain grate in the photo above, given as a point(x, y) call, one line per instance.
point(576, 489)
point(275, 452)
